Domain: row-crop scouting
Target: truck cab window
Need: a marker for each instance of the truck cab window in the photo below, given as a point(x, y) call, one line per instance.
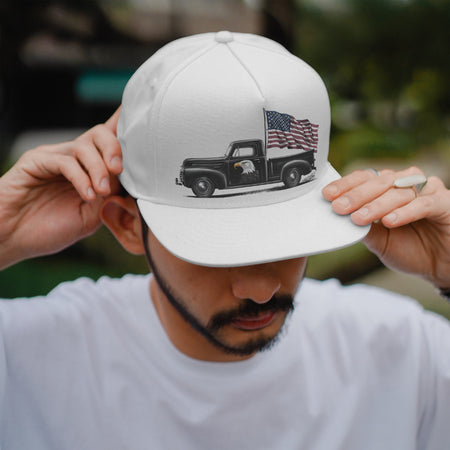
point(244, 152)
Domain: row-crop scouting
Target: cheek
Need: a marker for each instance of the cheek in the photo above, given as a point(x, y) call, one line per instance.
point(293, 271)
point(197, 278)
point(205, 289)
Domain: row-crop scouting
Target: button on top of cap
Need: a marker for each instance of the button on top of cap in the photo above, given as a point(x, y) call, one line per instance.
point(224, 37)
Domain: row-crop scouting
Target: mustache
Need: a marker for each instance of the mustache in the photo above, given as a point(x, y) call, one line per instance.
point(249, 308)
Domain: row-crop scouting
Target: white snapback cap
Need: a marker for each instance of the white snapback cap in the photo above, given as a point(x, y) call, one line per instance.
point(225, 144)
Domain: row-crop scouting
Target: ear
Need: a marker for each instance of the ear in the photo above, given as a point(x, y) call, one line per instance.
point(121, 216)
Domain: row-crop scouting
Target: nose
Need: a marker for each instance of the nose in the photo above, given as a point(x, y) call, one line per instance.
point(258, 283)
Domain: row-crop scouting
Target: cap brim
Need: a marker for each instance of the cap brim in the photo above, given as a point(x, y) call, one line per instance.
point(297, 227)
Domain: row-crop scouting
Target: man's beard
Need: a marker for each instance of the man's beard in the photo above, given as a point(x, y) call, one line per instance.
point(247, 308)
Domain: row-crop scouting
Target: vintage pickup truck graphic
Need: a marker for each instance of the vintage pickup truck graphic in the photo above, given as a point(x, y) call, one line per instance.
point(246, 164)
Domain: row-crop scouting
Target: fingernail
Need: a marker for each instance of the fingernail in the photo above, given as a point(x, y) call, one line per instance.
point(330, 189)
point(104, 184)
point(90, 193)
point(392, 217)
point(344, 202)
point(364, 211)
point(116, 161)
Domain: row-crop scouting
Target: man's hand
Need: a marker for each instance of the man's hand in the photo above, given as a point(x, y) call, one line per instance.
point(51, 197)
point(410, 232)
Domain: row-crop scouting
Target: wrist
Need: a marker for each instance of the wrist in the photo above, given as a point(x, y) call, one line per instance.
point(9, 255)
point(11, 252)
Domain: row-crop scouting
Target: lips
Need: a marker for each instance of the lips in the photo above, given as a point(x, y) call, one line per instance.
point(254, 323)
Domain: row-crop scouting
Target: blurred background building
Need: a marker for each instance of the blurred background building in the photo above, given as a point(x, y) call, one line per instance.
point(64, 63)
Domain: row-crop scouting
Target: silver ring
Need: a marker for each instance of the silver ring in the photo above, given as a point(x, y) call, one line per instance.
point(374, 171)
point(416, 182)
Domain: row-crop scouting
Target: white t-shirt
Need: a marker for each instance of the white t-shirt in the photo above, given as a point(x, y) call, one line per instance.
point(90, 367)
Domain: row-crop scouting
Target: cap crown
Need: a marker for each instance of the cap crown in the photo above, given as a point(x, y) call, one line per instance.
point(197, 96)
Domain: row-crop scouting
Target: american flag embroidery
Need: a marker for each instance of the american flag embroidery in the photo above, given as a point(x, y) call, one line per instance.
point(285, 131)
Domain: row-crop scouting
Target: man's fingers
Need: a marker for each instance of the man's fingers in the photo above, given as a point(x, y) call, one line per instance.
point(92, 162)
point(83, 168)
point(359, 188)
point(355, 179)
point(109, 147)
point(384, 204)
point(361, 194)
point(411, 212)
point(98, 153)
point(432, 203)
point(344, 184)
point(378, 199)
point(69, 168)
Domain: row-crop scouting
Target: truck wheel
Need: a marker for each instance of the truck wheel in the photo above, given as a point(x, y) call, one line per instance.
point(292, 177)
point(203, 187)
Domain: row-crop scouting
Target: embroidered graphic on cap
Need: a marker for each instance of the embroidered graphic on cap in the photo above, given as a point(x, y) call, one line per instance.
point(247, 163)
point(285, 131)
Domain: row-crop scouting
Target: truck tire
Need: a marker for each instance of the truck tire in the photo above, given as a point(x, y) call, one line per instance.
point(292, 177)
point(203, 187)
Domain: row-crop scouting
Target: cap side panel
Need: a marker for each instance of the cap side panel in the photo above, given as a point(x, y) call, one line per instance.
point(136, 104)
point(155, 116)
point(134, 128)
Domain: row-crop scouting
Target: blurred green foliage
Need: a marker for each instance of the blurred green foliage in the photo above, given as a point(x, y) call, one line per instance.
point(386, 65)
point(95, 256)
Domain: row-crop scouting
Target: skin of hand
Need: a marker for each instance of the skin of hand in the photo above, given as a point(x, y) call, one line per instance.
point(409, 232)
point(51, 197)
